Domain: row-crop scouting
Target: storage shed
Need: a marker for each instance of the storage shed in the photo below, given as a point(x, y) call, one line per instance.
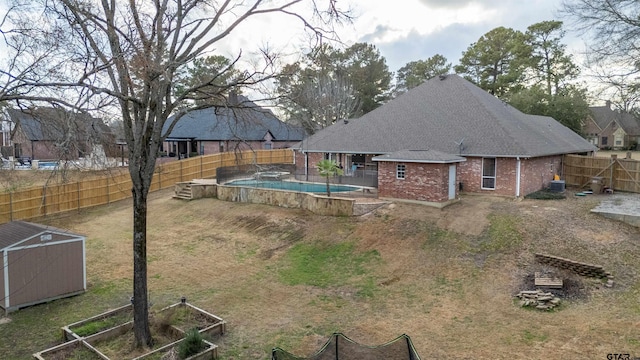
point(38, 264)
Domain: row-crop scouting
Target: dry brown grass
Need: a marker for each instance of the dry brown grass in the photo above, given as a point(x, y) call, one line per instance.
point(438, 281)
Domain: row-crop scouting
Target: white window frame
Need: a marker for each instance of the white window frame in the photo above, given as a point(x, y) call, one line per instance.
point(401, 171)
point(494, 177)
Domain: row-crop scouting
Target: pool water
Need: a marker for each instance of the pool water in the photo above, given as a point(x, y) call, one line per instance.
point(293, 185)
point(47, 164)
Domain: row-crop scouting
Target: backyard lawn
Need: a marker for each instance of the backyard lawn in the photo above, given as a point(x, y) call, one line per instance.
point(288, 278)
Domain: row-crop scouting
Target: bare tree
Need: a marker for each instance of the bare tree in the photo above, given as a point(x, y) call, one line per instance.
point(620, 87)
point(322, 100)
point(614, 50)
point(131, 52)
point(613, 25)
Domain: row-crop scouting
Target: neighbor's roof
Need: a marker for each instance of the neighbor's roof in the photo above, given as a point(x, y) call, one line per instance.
point(603, 116)
point(245, 121)
point(421, 156)
point(49, 124)
point(449, 114)
point(16, 231)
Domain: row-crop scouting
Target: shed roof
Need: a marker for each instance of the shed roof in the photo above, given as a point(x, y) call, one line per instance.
point(421, 156)
point(14, 232)
point(451, 115)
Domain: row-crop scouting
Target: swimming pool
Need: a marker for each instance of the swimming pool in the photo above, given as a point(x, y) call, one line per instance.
point(48, 165)
point(293, 185)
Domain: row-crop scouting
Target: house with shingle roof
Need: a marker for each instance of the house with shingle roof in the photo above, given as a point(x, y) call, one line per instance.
point(239, 125)
point(446, 136)
point(611, 129)
point(54, 134)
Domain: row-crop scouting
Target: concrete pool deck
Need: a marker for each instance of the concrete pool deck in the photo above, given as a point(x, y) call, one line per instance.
point(621, 207)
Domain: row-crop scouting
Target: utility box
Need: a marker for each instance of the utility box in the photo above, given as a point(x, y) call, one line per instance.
point(597, 183)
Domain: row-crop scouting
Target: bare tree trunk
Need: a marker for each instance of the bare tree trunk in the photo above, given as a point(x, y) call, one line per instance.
point(140, 300)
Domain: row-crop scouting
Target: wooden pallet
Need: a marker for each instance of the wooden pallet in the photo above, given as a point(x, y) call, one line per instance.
point(547, 282)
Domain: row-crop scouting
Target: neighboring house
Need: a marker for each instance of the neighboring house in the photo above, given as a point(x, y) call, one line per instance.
point(610, 129)
point(241, 125)
point(54, 134)
point(445, 136)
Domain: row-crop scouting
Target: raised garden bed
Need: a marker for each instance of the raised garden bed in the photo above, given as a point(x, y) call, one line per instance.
point(110, 335)
point(75, 349)
point(98, 323)
point(184, 316)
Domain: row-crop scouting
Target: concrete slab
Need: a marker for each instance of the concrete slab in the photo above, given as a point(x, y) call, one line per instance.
point(621, 207)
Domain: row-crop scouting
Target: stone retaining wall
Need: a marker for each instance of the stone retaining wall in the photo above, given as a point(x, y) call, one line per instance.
point(577, 267)
point(318, 204)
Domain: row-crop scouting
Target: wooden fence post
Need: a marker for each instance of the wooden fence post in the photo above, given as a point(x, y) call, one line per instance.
point(44, 199)
point(11, 206)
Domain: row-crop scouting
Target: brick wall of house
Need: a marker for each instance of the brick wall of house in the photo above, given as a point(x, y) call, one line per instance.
point(535, 174)
point(313, 160)
point(422, 182)
point(40, 150)
point(592, 132)
point(470, 174)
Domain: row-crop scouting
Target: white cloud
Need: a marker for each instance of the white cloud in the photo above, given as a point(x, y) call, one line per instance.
point(414, 16)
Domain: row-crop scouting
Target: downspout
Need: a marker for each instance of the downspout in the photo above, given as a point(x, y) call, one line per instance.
point(518, 164)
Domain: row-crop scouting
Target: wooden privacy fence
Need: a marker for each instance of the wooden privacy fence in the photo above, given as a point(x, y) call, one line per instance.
point(52, 199)
point(617, 174)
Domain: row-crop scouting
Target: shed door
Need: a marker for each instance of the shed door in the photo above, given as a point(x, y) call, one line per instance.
point(452, 182)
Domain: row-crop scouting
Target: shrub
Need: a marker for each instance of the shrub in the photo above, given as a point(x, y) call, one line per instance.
point(191, 345)
point(545, 195)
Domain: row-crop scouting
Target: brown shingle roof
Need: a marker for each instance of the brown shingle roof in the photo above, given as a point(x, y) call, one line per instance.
point(422, 156)
point(16, 231)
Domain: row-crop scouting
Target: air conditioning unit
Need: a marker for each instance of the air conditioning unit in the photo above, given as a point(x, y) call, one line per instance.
point(557, 186)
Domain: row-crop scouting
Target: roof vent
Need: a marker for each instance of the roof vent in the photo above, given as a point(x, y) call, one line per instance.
point(442, 77)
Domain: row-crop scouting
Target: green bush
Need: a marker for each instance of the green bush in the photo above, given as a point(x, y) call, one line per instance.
point(191, 345)
point(545, 195)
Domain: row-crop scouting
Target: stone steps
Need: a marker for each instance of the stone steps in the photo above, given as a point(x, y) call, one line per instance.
point(184, 193)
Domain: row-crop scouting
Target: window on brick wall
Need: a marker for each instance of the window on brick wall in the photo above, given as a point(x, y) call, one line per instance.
point(401, 171)
point(489, 173)
point(604, 140)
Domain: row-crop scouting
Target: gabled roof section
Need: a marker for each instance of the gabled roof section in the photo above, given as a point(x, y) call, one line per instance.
point(244, 121)
point(604, 116)
point(451, 115)
point(49, 124)
point(14, 232)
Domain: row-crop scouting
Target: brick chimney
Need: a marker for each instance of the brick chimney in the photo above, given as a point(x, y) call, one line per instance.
point(608, 104)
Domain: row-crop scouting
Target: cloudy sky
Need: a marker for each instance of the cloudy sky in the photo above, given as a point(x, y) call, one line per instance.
point(419, 29)
point(412, 30)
